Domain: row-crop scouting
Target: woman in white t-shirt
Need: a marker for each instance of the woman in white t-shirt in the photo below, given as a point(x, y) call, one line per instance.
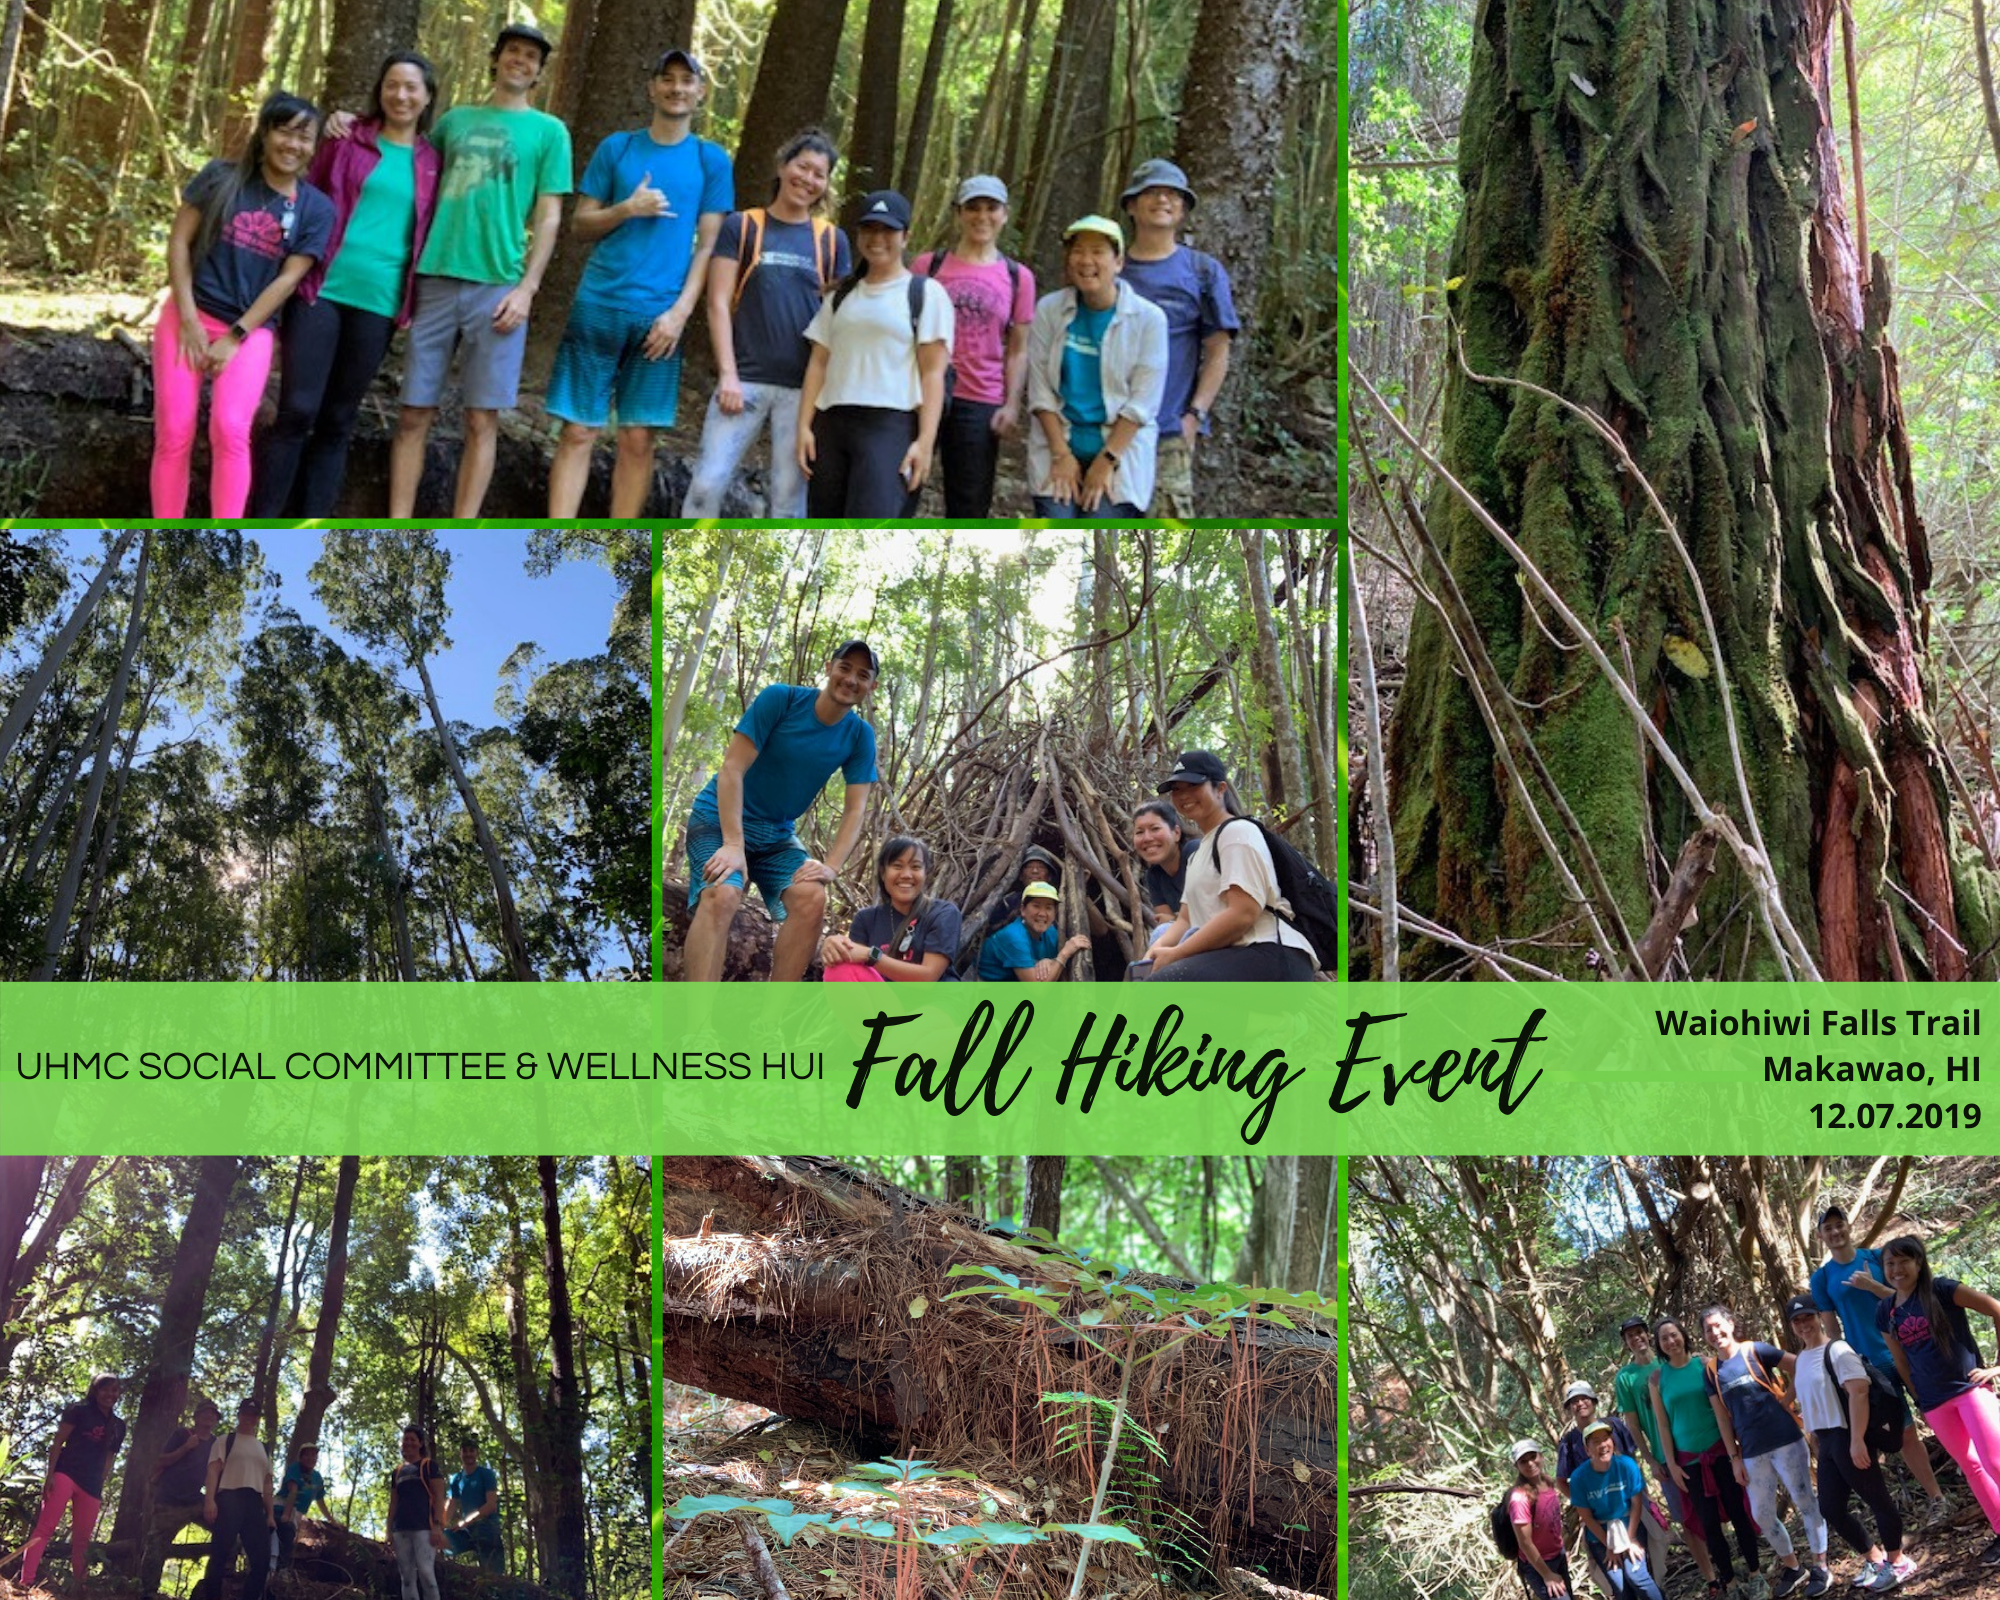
point(1227, 929)
point(1847, 1466)
point(874, 389)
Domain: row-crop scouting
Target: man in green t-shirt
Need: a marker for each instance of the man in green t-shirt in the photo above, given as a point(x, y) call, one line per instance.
point(1632, 1399)
point(506, 169)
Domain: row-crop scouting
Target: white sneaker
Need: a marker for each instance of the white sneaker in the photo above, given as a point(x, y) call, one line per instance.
point(1865, 1578)
point(1901, 1570)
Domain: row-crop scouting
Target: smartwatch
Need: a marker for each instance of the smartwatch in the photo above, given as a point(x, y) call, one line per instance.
point(238, 332)
point(1200, 415)
point(1110, 456)
point(874, 955)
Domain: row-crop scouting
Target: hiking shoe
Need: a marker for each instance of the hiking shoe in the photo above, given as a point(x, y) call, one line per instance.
point(1818, 1582)
point(1901, 1570)
point(1788, 1579)
point(1990, 1556)
point(1937, 1512)
point(1865, 1578)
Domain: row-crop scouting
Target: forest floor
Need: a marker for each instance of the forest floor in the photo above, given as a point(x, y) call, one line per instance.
point(1947, 1559)
point(714, 1447)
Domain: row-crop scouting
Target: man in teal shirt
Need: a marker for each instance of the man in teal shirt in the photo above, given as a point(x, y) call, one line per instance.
point(474, 1516)
point(506, 169)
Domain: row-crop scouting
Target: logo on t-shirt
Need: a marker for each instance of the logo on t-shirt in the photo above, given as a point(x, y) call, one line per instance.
point(258, 232)
point(1914, 1329)
point(481, 157)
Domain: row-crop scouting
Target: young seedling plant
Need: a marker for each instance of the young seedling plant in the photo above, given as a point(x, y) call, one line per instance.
point(1120, 1311)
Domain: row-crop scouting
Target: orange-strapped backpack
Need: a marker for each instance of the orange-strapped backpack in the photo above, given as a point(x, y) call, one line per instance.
point(750, 250)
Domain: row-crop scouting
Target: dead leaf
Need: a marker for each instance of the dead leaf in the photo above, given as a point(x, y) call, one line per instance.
point(919, 1306)
point(1584, 84)
point(1743, 131)
point(1302, 1472)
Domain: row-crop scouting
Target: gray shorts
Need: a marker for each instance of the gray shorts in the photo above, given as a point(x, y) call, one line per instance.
point(455, 315)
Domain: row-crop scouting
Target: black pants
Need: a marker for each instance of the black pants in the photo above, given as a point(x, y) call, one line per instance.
point(1242, 963)
point(1726, 1504)
point(857, 464)
point(1838, 1475)
point(971, 458)
point(1534, 1581)
point(330, 354)
point(239, 1519)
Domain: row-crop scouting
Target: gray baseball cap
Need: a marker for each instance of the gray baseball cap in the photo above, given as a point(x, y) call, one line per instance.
point(983, 186)
point(1159, 173)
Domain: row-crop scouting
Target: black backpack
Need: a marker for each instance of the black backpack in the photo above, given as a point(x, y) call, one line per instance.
point(1500, 1523)
point(1886, 1414)
point(1314, 912)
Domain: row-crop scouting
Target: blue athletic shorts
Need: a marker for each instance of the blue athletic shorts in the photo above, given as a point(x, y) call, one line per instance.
point(771, 866)
point(602, 366)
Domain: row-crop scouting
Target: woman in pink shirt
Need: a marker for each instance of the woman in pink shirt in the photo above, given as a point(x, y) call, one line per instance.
point(993, 296)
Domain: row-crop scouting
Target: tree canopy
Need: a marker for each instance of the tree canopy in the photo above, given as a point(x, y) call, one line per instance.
point(196, 782)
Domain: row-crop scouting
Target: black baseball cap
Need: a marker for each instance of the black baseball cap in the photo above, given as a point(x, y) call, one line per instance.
point(883, 209)
point(1830, 1211)
point(867, 649)
point(247, 1408)
point(1801, 1305)
point(524, 30)
point(1194, 766)
point(1630, 1323)
point(685, 58)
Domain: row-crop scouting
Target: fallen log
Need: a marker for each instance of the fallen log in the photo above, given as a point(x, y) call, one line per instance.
point(795, 1284)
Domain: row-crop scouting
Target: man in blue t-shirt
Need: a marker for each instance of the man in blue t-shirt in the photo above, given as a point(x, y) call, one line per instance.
point(1029, 949)
point(652, 200)
point(1192, 288)
point(473, 1511)
point(1847, 1311)
point(1609, 1491)
point(787, 744)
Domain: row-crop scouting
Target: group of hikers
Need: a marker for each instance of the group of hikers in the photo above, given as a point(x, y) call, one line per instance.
point(1226, 898)
point(1720, 1434)
point(315, 244)
point(228, 1482)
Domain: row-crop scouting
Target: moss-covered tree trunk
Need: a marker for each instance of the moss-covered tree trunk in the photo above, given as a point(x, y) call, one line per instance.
point(1654, 228)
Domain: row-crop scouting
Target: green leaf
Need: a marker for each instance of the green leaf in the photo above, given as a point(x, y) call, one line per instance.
point(1103, 1532)
point(789, 1528)
point(696, 1505)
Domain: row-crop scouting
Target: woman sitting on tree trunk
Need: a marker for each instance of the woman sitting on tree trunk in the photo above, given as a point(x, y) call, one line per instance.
point(905, 936)
point(1162, 840)
point(246, 233)
point(1228, 928)
point(416, 1516)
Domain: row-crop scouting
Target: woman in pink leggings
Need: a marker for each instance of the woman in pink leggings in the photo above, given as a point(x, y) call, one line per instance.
point(245, 234)
point(87, 1437)
point(1939, 1362)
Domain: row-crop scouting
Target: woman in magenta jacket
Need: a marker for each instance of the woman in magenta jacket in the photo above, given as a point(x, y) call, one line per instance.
point(383, 181)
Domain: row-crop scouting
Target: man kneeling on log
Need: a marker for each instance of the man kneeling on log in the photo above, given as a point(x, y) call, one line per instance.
point(784, 749)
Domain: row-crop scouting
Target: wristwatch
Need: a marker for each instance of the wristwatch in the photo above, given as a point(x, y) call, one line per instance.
point(1110, 456)
point(1200, 415)
point(238, 332)
point(874, 955)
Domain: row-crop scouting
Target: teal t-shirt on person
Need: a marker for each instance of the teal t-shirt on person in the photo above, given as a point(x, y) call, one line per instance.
point(469, 1490)
point(1008, 949)
point(1607, 1495)
point(497, 164)
point(1083, 380)
point(1684, 1392)
point(301, 1488)
point(367, 272)
point(642, 264)
point(796, 754)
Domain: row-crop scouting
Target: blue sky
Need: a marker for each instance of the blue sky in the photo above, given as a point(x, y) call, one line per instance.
point(495, 605)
